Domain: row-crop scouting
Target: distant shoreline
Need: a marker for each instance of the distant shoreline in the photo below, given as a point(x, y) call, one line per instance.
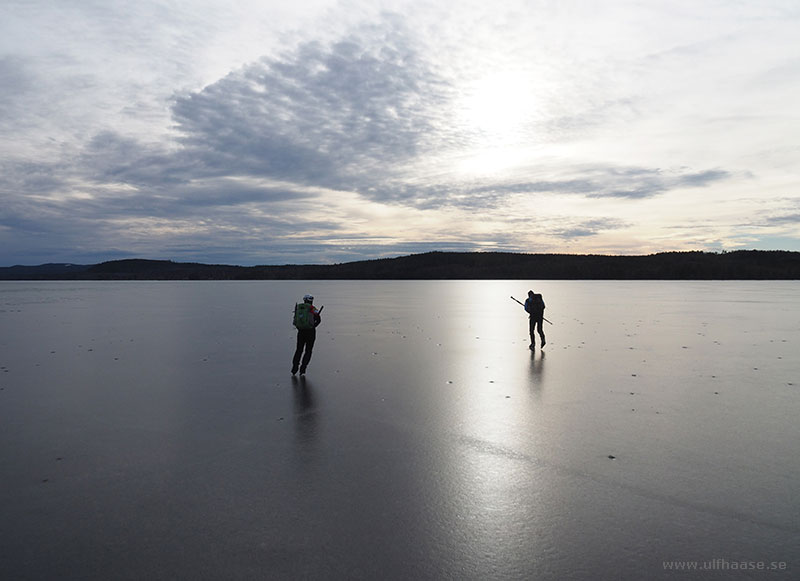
point(736, 265)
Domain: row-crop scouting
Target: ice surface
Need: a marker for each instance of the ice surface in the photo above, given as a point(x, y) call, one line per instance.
point(153, 430)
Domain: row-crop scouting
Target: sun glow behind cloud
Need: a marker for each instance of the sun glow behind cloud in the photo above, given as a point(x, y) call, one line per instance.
point(498, 107)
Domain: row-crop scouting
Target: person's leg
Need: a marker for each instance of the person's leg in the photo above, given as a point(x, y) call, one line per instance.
point(540, 324)
point(531, 330)
point(311, 336)
point(298, 352)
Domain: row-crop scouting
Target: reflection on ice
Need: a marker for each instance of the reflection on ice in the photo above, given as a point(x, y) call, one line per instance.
point(537, 371)
point(305, 413)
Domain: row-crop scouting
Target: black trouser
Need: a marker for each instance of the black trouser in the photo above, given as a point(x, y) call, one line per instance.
point(305, 340)
point(533, 323)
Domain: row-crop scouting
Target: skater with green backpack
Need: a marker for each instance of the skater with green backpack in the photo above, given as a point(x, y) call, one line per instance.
point(306, 320)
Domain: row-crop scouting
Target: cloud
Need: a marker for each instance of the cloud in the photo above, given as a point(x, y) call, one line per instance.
point(637, 183)
point(366, 114)
point(592, 227)
point(788, 217)
point(15, 83)
point(335, 116)
point(360, 114)
point(593, 182)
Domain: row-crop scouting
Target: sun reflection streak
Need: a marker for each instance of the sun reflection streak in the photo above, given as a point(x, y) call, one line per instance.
point(496, 474)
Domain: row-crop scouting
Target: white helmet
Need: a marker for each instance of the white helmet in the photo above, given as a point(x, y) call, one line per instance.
point(308, 299)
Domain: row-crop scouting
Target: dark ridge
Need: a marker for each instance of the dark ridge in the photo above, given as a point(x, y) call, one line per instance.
point(50, 271)
point(141, 269)
point(737, 265)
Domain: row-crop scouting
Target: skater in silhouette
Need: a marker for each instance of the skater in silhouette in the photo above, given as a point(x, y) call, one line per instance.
point(534, 306)
point(306, 320)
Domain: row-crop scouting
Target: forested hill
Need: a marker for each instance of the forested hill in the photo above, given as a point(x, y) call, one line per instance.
point(743, 264)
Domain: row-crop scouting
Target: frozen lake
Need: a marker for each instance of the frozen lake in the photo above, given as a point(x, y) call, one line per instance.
point(153, 430)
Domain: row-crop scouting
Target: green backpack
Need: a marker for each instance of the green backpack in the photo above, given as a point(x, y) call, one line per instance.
point(303, 316)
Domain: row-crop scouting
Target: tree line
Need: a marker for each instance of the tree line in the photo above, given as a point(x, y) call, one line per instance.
point(736, 265)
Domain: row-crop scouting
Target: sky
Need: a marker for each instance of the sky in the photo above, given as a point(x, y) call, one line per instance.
point(322, 131)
